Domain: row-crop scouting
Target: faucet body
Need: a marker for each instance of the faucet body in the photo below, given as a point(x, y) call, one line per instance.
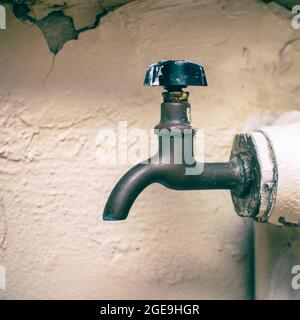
point(174, 165)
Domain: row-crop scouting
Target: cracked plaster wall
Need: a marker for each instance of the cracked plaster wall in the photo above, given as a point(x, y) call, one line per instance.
point(52, 190)
point(59, 21)
point(83, 12)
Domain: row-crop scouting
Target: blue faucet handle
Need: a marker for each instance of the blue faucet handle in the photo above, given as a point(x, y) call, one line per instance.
point(175, 73)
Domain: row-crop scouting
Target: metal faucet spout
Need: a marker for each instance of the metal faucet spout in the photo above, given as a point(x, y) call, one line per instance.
point(127, 190)
point(228, 175)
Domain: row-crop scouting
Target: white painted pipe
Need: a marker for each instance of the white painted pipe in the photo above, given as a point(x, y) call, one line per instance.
point(275, 196)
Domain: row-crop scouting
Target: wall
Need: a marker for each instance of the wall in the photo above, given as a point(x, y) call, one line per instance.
point(174, 244)
point(277, 253)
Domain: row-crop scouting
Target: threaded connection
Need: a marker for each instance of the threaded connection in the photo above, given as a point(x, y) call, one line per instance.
point(175, 96)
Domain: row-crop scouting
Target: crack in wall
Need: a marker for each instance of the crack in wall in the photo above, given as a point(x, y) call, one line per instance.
point(57, 28)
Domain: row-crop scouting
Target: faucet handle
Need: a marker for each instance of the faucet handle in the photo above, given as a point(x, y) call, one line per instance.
point(175, 74)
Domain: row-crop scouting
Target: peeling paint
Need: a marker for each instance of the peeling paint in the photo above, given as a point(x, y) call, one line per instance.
point(56, 27)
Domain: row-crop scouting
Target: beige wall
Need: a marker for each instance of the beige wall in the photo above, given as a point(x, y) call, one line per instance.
point(52, 190)
point(277, 251)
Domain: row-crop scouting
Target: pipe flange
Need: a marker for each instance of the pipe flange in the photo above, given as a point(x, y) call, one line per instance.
point(260, 200)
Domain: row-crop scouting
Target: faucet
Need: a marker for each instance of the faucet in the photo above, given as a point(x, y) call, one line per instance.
point(174, 165)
